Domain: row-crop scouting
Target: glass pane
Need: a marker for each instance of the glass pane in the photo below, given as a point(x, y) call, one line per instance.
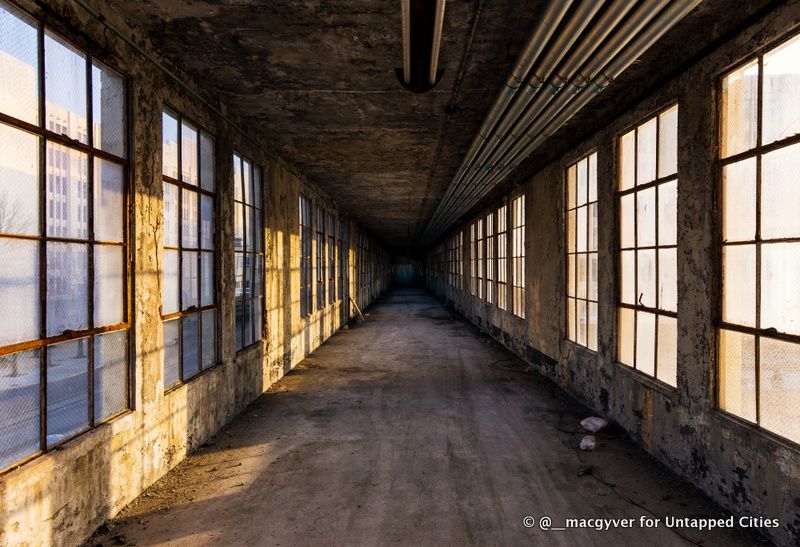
point(251, 228)
point(19, 404)
point(257, 288)
point(172, 353)
point(739, 108)
point(189, 279)
point(580, 230)
point(109, 285)
point(169, 288)
point(19, 178)
point(626, 336)
point(668, 213)
point(257, 186)
point(628, 277)
point(571, 318)
point(582, 326)
point(67, 389)
point(169, 145)
point(668, 279)
point(739, 201)
point(571, 187)
point(593, 177)
point(739, 284)
point(737, 374)
point(206, 222)
point(19, 290)
point(645, 342)
point(646, 278)
point(646, 217)
point(239, 297)
point(627, 221)
point(67, 199)
point(571, 231)
point(170, 215)
point(591, 341)
point(259, 230)
point(781, 109)
point(780, 389)
point(190, 345)
point(668, 350)
point(646, 152)
point(19, 63)
point(780, 192)
point(780, 287)
point(206, 162)
point(593, 227)
point(209, 338)
point(238, 226)
point(189, 215)
point(108, 110)
point(65, 88)
point(189, 154)
point(110, 374)
point(257, 319)
point(627, 161)
point(206, 279)
point(571, 265)
point(582, 273)
point(247, 182)
point(237, 178)
point(592, 276)
point(668, 142)
point(67, 295)
point(583, 181)
point(248, 324)
point(109, 210)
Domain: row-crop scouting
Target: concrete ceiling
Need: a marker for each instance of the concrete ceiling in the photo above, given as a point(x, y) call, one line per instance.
point(317, 79)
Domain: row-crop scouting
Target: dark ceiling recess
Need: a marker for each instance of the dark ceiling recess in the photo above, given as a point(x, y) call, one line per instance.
point(422, 38)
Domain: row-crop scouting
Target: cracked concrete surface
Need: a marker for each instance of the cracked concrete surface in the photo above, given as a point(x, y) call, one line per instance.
point(410, 429)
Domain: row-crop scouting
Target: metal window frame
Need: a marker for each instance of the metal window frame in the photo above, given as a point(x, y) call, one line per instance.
point(757, 153)
point(320, 258)
point(575, 254)
point(305, 206)
point(181, 186)
point(256, 254)
point(331, 256)
point(657, 311)
point(502, 255)
point(45, 136)
point(518, 246)
point(490, 256)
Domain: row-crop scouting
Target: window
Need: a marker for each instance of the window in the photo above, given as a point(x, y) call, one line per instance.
point(188, 307)
point(582, 252)
point(320, 225)
point(64, 259)
point(518, 255)
point(460, 259)
point(490, 265)
point(331, 258)
point(473, 262)
point(502, 252)
point(305, 256)
point(759, 339)
point(344, 260)
point(481, 263)
point(249, 248)
point(648, 193)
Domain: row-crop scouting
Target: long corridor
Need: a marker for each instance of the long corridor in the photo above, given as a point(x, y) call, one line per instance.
point(411, 429)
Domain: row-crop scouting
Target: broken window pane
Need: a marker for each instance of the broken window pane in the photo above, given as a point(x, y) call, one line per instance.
point(67, 389)
point(19, 63)
point(65, 89)
point(19, 180)
point(739, 108)
point(739, 201)
point(739, 284)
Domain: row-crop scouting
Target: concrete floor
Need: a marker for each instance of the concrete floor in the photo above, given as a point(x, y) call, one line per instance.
point(411, 429)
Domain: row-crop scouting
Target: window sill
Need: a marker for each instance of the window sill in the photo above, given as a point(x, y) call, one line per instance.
point(755, 429)
point(571, 345)
point(188, 381)
point(249, 349)
point(648, 381)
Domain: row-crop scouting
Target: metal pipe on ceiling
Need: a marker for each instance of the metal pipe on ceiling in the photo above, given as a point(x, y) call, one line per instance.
point(436, 46)
point(542, 124)
point(405, 7)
